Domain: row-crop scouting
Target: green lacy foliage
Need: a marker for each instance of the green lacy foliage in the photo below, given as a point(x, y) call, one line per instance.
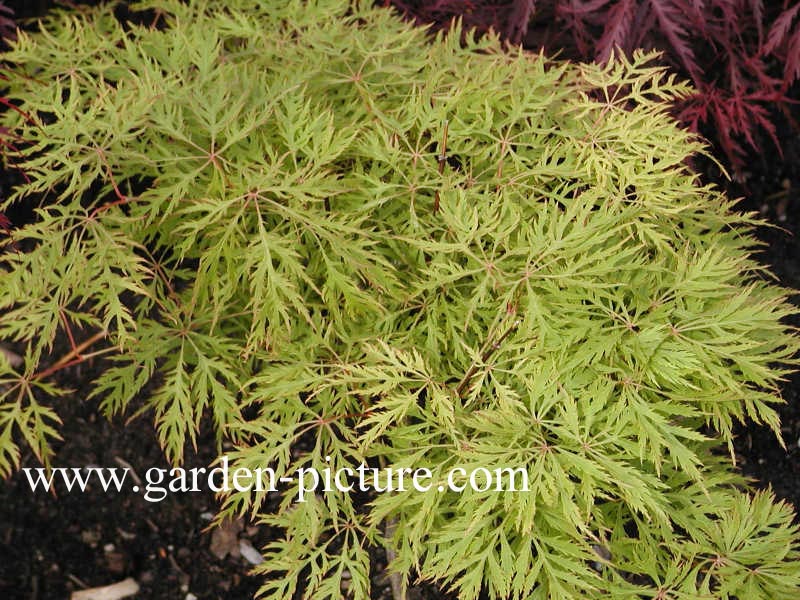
point(336, 239)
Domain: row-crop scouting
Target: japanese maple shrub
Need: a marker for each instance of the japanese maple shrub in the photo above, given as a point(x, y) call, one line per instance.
point(347, 245)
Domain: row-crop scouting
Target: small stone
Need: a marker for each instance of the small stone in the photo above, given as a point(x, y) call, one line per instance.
point(146, 577)
point(90, 537)
point(224, 539)
point(116, 562)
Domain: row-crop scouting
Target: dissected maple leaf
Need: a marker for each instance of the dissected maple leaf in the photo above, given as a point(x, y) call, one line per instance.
point(617, 31)
point(518, 22)
point(780, 29)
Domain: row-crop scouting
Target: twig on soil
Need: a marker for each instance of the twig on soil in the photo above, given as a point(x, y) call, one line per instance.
point(153, 526)
point(126, 465)
point(121, 589)
point(77, 581)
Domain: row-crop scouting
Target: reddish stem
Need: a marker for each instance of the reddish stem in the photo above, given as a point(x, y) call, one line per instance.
point(73, 357)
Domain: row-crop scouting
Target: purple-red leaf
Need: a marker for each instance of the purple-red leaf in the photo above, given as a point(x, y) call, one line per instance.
point(520, 17)
point(779, 30)
point(587, 8)
point(8, 27)
point(757, 6)
point(616, 33)
point(673, 25)
point(791, 71)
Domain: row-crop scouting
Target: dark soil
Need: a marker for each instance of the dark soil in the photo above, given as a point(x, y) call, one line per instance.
point(50, 546)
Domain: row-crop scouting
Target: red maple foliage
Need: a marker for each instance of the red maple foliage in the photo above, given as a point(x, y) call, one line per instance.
point(742, 56)
point(8, 26)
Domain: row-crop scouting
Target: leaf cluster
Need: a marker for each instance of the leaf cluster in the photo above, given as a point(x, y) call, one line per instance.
point(742, 56)
point(344, 244)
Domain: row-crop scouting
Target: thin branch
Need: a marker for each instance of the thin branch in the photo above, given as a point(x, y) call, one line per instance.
point(69, 330)
point(488, 349)
point(71, 358)
point(442, 161)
